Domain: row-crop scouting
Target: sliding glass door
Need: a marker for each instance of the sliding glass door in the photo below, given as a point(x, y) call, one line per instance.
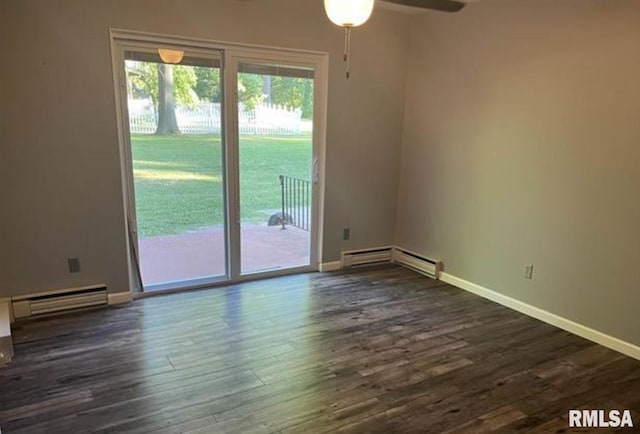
point(175, 131)
point(276, 164)
point(221, 158)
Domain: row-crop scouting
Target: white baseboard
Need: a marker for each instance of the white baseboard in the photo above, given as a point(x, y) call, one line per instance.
point(330, 266)
point(120, 298)
point(588, 333)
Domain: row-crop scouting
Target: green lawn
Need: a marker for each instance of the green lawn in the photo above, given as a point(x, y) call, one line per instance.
point(179, 182)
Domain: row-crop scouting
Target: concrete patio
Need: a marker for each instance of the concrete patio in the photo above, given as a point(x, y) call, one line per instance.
point(201, 253)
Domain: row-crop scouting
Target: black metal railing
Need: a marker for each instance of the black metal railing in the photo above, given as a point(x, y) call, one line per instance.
point(296, 202)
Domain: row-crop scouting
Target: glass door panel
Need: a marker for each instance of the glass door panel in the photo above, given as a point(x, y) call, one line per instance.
point(175, 123)
point(275, 112)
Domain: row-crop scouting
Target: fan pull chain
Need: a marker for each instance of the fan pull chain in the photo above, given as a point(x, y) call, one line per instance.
point(347, 50)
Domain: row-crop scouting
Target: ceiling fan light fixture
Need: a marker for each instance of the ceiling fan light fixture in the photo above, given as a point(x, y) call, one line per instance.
point(348, 13)
point(170, 56)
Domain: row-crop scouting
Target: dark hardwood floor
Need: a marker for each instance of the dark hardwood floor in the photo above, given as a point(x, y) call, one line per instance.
point(378, 350)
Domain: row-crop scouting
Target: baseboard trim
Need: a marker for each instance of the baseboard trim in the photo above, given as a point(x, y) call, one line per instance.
point(330, 266)
point(588, 333)
point(120, 298)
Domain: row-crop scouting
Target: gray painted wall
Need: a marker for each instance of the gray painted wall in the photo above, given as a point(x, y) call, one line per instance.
point(520, 140)
point(59, 160)
point(522, 145)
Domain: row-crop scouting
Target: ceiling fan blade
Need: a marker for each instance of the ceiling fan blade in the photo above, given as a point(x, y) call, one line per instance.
point(438, 5)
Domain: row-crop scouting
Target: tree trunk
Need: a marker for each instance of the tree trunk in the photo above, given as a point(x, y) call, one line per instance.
point(167, 122)
point(266, 88)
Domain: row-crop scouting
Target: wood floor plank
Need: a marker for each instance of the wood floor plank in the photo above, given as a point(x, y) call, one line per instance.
point(370, 350)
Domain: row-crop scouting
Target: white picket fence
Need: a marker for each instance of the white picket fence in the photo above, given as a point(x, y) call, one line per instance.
point(205, 118)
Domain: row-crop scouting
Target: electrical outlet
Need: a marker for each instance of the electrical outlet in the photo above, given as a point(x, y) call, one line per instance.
point(346, 234)
point(74, 265)
point(528, 271)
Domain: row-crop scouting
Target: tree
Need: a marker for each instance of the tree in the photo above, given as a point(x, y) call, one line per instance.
point(266, 88)
point(250, 90)
point(294, 93)
point(166, 86)
point(171, 85)
point(167, 121)
point(207, 85)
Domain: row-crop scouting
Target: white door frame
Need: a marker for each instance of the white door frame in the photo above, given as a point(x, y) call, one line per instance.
point(232, 54)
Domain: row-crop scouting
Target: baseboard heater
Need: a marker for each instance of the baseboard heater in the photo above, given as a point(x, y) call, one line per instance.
point(59, 301)
point(422, 265)
point(356, 258)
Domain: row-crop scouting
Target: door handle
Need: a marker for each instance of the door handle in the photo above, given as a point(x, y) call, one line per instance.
point(316, 171)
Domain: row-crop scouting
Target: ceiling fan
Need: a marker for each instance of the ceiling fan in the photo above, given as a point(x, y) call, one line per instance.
point(438, 5)
point(353, 13)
